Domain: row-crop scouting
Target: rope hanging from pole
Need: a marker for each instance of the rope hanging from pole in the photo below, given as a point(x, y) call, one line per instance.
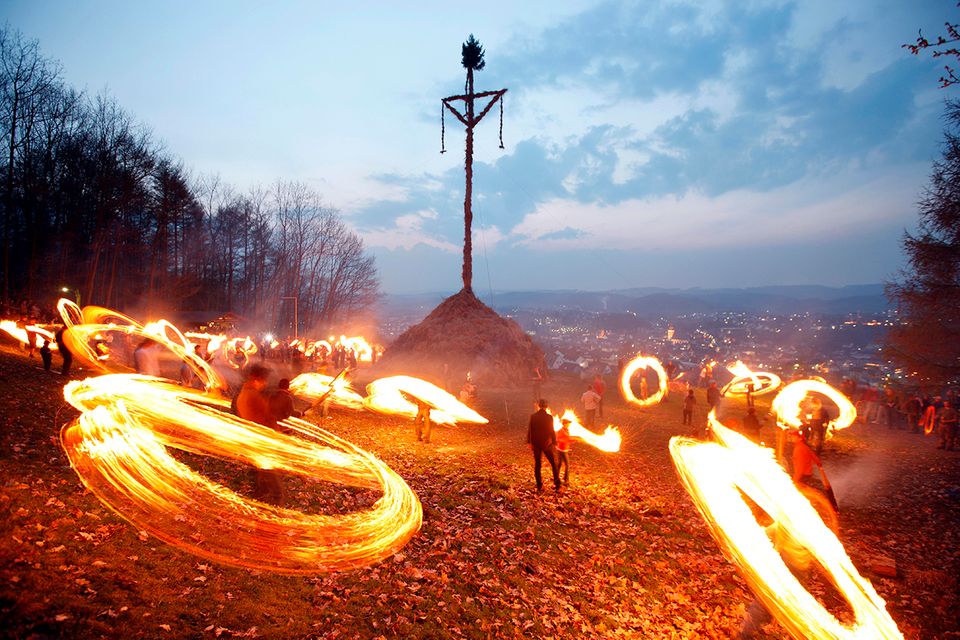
point(443, 149)
point(501, 122)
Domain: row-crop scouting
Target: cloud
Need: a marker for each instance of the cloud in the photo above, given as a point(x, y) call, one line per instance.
point(408, 232)
point(677, 126)
point(809, 210)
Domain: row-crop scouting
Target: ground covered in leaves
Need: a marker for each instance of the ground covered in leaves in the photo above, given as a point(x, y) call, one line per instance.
point(621, 553)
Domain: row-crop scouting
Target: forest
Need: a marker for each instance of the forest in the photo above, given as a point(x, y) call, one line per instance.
point(97, 209)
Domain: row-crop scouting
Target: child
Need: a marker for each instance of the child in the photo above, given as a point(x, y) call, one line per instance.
point(563, 446)
point(46, 355)
point(688, 404)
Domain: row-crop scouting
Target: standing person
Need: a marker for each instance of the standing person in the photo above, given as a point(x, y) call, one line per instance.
point(818, 424)
point(890, 408)
point(542, 439)
point(688, 403)
point(46, 355)
point(803, 459)
point(914, 407)
point(281, 402)
point(563, 447)
point(254, 405)
point(64, 352)
point(713, 396)
point(590, 400)
point(145, 358)
point(468, 392)
point(600, 387)
point(948, 426)
point(422, 421)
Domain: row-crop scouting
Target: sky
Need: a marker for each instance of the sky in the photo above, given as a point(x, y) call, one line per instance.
point(646, 144)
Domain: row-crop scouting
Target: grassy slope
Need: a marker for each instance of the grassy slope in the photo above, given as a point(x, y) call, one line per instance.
point(622, 554)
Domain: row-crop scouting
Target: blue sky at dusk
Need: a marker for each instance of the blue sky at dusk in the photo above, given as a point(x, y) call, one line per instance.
point(674, 144)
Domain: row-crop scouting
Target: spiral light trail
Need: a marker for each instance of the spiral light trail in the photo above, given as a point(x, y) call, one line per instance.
point(788, 404)
point(717, 475)
point(119, 447)
point(762, 381)
point(643, 362)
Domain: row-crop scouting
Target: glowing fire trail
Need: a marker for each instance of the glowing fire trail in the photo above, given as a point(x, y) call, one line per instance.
point(118, 447)
point(81, 338)
point(715, 474)
point(314, 386)
point(762, 381)
point(386, 396)
point(643, 362)
point(609, 441)
point(21, 334)
point(788, 405)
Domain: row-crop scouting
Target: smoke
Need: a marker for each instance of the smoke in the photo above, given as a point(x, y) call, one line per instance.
point(857, 484)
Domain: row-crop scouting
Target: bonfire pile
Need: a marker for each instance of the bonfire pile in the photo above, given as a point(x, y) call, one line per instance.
point(464, 335)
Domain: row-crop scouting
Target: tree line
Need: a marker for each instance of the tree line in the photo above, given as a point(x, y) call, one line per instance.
point(926, 343)
point(92, 203)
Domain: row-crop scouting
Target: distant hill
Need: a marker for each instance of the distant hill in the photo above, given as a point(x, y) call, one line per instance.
point(652, 302)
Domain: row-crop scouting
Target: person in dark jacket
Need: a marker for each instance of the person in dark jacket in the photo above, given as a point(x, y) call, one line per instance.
point(46, 355)
point(254, 405)
point(542, 440)
point(64, 352)
point(281, 402)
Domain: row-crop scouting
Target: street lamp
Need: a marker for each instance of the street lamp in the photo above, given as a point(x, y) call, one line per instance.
point(296, 318)
point(75, 291)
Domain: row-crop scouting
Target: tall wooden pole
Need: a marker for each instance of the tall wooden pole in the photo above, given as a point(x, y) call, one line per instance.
point(468, 193)
point(470, 118)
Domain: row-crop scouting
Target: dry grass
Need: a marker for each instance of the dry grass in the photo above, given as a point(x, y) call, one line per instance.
point(621, 554)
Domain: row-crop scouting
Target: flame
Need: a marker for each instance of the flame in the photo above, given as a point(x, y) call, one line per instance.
point(643, 362)
point(21, 334)
point(119, 448)
point(386, 396)
point(314, 386)
point(608, 441)
point(788, 404)
point(361, 346)
point(763, 382)
point(85, 341)
point(715, 474)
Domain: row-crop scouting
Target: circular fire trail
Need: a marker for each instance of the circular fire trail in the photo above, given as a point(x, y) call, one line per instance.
point(788, 404)
point(643, 362)
point(717, 475)
point(762, 381)
point(119, 448)
point(90, 329)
